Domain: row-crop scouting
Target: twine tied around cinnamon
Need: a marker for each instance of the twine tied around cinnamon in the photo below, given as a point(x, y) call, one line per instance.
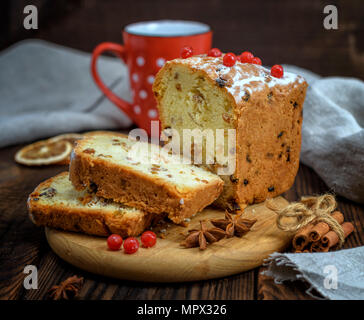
point(307, 210)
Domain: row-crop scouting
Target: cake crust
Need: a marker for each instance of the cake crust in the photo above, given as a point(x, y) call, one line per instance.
point(83, 217)
point(134, 188)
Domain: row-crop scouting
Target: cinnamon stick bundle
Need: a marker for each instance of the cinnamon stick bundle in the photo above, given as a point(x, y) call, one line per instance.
point(318, 237)
point(317, 226)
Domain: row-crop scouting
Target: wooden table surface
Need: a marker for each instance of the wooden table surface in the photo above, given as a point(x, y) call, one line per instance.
point(23, 243)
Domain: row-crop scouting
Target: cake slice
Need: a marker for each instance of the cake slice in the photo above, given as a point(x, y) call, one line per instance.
point(143, 176)
point(56, 203)
point(265, 112)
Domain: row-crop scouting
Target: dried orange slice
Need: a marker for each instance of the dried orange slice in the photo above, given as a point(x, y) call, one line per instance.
point(44, 152)
point(69, 137)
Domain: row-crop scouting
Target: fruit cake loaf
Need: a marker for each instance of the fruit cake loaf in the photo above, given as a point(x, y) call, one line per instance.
point(56, 203)
point(266, 112)
point(152, 180)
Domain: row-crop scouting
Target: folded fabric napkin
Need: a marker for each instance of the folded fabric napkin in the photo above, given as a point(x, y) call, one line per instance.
point(335, 275)
point(47, 89)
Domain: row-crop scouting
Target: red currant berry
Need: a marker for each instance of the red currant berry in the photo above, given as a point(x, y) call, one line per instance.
point(214, 52)
point(277, 71)
point(114, 242)
point(186, 52)
point(149, 239)
point(131, 245)
point(256, 60)
point(246, 57)
point(229, 59)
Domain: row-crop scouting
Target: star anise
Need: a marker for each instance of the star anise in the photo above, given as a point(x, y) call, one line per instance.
point(234, 226)
point(67, 289)
point(200, 238)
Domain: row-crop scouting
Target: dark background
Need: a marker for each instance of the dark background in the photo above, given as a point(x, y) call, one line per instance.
point(287, 31)
point(278, 31)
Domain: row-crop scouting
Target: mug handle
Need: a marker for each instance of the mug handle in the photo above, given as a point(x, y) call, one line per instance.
point(119, 51)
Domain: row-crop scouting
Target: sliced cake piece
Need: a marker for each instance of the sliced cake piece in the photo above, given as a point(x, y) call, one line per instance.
point(142, 176)
point(56, 203)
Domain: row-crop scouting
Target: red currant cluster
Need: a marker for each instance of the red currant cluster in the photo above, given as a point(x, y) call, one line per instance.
point(230, 59)
point(131, 244)
point(248, 57)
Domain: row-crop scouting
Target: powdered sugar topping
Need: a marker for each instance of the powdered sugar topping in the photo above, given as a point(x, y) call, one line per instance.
point(242, 79)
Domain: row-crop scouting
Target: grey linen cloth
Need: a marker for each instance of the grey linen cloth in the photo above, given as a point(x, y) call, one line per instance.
point(47, 89)
point(333, 132)
point(337, 275)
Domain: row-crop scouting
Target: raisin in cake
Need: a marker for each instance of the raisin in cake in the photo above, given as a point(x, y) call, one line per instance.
point(142, 176)
point(56, 203)
point(200, 92)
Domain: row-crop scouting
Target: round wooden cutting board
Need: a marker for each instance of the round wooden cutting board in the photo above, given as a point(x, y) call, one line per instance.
point(170, 262)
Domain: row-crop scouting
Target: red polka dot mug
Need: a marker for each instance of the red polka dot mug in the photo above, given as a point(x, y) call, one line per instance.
point(147, 46)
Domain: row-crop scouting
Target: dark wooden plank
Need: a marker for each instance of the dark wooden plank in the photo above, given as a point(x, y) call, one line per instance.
point(268, 290)
point(21, 242)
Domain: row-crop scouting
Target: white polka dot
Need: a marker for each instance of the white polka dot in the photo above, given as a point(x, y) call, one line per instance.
point(137, 109)
point(152, 113)
point(143, 94)
point(150, 79)
point(140, 61)
point(135, 77)
point(161, 62)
